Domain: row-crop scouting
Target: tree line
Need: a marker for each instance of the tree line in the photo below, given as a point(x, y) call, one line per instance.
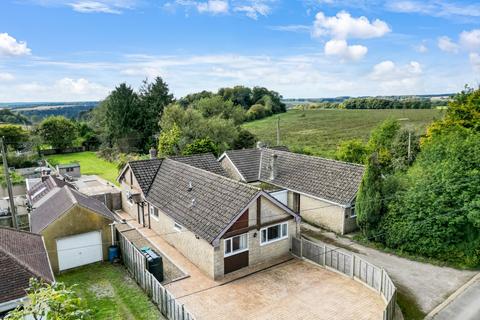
point(423, 201)
point(376, 103)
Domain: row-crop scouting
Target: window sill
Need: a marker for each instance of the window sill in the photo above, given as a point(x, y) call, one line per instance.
point(272, 241)
point(234, 253)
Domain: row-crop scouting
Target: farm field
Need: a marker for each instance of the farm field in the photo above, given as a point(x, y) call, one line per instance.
point(320, 131)
point(89, 164)
point(110, 293)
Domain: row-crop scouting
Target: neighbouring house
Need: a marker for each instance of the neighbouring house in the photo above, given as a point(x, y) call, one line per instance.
point(219, 224)
point(321, 190)
point(40, 189)
point(69, 169)
point(22, 256)
point(76, 228)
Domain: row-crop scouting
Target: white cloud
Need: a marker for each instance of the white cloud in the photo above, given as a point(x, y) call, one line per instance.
point(475, 61)
point(9, 46)
point(421, 48)
point(92, 6)
point(446, 44)
point(436, 8)
point(341, 49)
point(292, 28)
point(213, 6)
point(5, 76)
point(344, 26)
point(391, 77)
point(254, 8)
point(470, 40)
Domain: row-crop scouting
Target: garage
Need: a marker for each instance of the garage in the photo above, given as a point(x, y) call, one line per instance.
point(78, 250)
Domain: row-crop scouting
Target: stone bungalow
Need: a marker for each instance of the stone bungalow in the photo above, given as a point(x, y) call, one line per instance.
point(321, 191)
point(219, 224)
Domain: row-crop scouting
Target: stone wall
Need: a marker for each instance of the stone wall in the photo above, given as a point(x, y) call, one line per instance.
point(323, 214)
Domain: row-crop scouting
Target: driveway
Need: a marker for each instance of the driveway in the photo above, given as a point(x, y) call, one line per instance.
point(466, 306)
point(430, 285)
point(292, 290)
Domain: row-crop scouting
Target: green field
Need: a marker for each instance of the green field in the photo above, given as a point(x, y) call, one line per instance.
point(110, 293)
point(89, 164)
point(320, 131)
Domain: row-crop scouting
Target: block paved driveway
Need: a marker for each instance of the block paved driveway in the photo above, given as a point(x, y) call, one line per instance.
point(292, 290)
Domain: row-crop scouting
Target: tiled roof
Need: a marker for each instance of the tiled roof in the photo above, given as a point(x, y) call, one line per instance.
point(42, 188)
point(22, 256)
point(59, 203)
point(330, 180)
point(205, 161)
point(211, 204)
point(145, 171)
point(247, 161)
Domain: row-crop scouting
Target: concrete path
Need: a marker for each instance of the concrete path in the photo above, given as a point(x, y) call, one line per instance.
point(465, 306)
point(430, 285)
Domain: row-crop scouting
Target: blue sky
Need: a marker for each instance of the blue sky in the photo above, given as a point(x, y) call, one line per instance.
point(57, 50)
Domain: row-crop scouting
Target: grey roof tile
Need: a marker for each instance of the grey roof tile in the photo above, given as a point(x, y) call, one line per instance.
point(205, 161)
point(211, 204)
point(331, 180)
point(145, 171)
point(22, 256)
point(59, 203)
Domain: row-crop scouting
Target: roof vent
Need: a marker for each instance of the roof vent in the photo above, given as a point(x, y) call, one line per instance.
point(194, 202)
point(190, 186)
point(273, 167)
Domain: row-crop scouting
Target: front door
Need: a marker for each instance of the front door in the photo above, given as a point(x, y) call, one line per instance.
point(235, 253)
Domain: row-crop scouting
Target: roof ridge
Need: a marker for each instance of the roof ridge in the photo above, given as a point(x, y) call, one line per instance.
point(21, 231)
point(217, 175)
point(315, 157)
point(70, 193)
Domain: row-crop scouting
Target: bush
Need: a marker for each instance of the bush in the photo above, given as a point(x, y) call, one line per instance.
point(351, 151)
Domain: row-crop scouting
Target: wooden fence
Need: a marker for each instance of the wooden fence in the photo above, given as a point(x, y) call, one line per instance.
point(136, 264)
point(352, 266)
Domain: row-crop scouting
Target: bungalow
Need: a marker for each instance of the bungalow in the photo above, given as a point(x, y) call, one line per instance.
point(219, 224)
point(321, 191)
point(76, 228)
point(22, 256)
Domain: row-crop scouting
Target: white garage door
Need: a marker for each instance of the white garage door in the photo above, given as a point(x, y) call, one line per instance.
point(281, 196)
point(79, 250)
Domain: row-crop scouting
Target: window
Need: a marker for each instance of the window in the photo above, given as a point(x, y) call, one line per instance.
point(128, 195)
point(274, 233)
point(236, 244)
point(177, 227)
point(353, 213)
point(153, 211)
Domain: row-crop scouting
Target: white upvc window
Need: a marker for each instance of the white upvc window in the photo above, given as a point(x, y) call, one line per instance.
point(128, 195)
point(154, 212)
point(274, 233)
point(236, 244)
point(353, 213)
point(177, 227)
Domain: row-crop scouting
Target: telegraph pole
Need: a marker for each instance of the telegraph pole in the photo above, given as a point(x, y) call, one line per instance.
point(13, 211)
point(409, 144)
point(278, 131)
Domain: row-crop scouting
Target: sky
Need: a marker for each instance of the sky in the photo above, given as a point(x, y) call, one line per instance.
point(77, 50)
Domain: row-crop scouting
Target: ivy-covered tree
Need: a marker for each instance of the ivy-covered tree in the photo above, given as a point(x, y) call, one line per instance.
point(199, 146)
point(169, 140)
point(353, 151)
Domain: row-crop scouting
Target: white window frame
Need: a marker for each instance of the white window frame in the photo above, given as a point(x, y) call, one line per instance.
point(354, 215)
point(282, 237)
point(177, 227)
point(232, 253)
point(129, 199)
point(152, 210)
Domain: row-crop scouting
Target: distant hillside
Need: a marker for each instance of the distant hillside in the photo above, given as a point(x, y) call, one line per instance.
point(320, 131)
point(36, 111)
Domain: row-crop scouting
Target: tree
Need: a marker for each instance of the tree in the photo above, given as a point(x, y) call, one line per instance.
point(368, 204)
point(51, 301)
point(216, 106)
point(381, 141)
point(14, 135)
point(169, 140)
point(245, 139)
point(437, 214)
point(154, 97)
point(401, 159)
point(199, 146)
point(57, 131)
point(351, 151)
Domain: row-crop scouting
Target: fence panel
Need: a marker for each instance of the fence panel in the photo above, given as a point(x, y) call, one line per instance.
point(350, 265)
point(136, 264)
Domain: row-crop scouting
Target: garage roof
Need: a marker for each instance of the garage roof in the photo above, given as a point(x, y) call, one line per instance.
point(60, 202)
point(22, 256)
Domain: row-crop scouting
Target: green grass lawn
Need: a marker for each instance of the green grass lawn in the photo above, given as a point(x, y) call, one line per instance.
point(89, 164)
point(320, 131)
point(110, 293)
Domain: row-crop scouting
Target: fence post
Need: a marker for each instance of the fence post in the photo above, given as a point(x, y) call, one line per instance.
point(324, 255)
point(381, 281)
point(352, 267)
point(301, 248)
